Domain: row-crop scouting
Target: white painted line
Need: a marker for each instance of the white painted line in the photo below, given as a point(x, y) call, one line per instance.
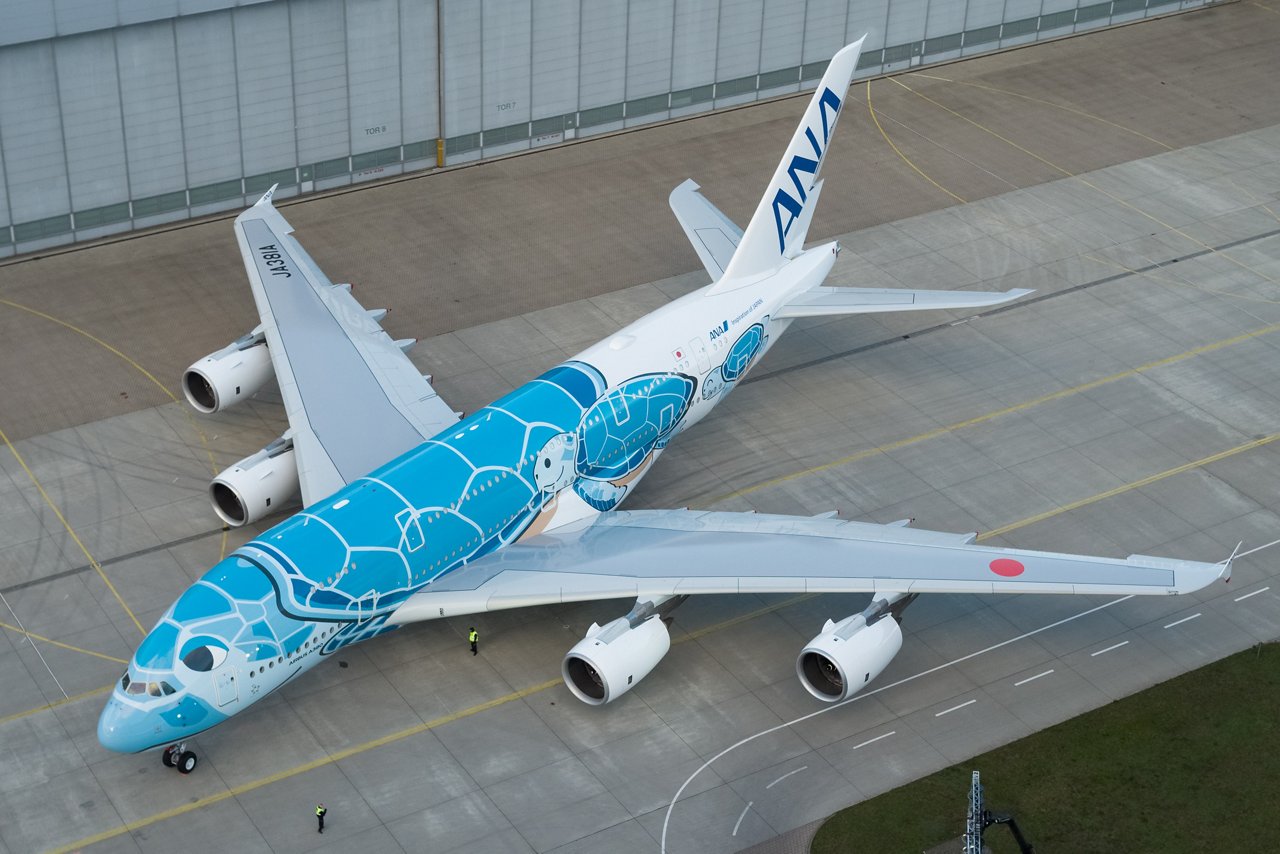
point(953, 708)
point(738, 823)
point(874, 740)
point(1032, 678)
point(862, 696)
point(786, 775)
point(1183, 620)
point(1108, 649)
point(1254, 593)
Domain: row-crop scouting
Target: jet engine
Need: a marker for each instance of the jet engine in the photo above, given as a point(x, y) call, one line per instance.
point(229, 375)
point(609, 661)
point(847, 655)
point(256, 485)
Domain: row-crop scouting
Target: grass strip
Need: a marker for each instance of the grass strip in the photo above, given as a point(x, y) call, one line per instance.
point(1190, 765)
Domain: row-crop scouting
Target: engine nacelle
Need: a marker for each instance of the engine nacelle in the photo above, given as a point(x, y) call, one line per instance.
point(847, 655)
point(609, 661)
point(228, 376)
point(256, 485)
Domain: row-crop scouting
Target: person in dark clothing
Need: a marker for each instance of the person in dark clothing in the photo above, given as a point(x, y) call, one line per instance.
point(320, 811)
point(473, 636)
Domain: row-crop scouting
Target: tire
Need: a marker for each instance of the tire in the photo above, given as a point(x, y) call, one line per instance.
point(166, 756)
point(187, 762)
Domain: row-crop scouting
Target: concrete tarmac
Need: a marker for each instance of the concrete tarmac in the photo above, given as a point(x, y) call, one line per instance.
point(1131, 405)
point(454, 249)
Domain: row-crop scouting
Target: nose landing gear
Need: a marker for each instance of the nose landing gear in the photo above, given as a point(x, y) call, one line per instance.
point(177, 756)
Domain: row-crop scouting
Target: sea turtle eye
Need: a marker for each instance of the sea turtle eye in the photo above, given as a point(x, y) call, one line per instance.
point(204, 654)
point(546, 463)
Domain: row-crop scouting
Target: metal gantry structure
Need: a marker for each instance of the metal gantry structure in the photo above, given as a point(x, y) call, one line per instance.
point(980, 818)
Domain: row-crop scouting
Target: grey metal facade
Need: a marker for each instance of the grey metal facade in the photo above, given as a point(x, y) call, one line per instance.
point(120, 114)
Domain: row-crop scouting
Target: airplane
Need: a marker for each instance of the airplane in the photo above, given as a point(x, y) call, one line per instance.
point(413, 512)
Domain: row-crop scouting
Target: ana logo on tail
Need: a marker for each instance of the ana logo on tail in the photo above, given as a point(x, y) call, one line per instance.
point(783, 200)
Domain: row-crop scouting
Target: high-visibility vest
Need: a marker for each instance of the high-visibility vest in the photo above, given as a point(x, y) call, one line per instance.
point(474, 636)
point(320, 810)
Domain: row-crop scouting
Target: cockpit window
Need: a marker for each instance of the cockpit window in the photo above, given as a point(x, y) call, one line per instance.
point(124, 681)
point(153, 688)
point(166, 688)
point(136, 688)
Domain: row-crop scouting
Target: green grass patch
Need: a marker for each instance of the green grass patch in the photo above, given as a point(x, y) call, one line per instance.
point(1190, 765)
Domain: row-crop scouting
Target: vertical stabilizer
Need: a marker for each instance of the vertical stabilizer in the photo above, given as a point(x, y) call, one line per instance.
point(777, 228)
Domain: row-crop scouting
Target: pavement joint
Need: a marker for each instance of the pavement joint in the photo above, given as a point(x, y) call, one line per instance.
point(1069, 174)
point(74, 536)
point(1009, 410)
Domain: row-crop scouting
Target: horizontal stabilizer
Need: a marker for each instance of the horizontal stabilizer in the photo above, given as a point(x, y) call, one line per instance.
point(825, 302)
point(714, 236)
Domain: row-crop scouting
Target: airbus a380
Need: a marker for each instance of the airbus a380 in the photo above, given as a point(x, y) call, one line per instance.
point(413, 513)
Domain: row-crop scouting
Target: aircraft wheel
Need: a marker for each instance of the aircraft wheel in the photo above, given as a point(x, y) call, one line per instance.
point(166, 756)
point(187, 762)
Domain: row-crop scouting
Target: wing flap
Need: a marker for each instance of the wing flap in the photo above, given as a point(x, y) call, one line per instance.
point(673, 552)
point(825, 302)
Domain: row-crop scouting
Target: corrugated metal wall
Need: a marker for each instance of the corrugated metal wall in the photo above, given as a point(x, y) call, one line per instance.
point(117, 114)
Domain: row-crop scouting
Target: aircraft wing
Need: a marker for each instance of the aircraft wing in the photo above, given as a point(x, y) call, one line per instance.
point(821, 302)
point(713, 235)
point(353, 398)
point(672, 552)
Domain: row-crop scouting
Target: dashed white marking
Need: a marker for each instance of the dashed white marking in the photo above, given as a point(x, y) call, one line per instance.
point(786, 775)
point(874, 740)
point(862, 696)
point(1108, 649)
point(1032, 678)
point(1183, 620)
point(738, 823)
point(1254, 593)
point(955, 708)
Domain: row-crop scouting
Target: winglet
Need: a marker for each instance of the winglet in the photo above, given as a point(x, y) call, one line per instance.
point(266, 197)
point(1225, 575)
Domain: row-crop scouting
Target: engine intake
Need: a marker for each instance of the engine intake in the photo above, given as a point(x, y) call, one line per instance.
point(256, 485)
point(847, 655)
point(609, 661)
point(229, 375)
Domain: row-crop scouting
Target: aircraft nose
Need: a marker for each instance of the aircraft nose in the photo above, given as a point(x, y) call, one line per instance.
point(124, 729)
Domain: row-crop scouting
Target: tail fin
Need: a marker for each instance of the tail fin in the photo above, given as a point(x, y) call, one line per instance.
point(784, 213)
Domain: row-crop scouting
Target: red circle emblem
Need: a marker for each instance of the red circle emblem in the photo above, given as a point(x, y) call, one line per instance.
point(1007, 567)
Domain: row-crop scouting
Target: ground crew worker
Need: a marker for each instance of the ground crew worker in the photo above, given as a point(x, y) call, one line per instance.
point(473, 636)
point(320, 811)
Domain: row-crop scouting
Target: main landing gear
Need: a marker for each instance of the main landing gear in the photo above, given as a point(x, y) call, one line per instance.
point(177, 756)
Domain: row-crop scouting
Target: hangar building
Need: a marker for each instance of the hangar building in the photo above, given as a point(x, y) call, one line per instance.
point(122, 114)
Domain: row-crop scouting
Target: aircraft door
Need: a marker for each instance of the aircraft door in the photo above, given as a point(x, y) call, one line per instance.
point(224, 686)
point(699, 349)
